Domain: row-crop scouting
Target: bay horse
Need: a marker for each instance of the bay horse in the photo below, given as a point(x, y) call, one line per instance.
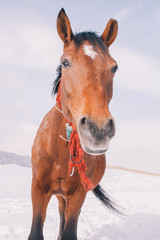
point(68, 153)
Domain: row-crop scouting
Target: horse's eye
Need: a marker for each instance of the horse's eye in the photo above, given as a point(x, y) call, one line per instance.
point(65, 63)
point(114, 69)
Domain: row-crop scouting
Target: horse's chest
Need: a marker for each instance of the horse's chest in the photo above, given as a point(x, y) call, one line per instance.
point(59, 169)
point(61, 181)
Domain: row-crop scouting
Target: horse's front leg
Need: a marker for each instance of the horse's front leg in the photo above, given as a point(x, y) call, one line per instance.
point(40, 200)
point(62, 207)
point(73, 206)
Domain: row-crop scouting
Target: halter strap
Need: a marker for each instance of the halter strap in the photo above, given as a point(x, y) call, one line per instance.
point(58, 108)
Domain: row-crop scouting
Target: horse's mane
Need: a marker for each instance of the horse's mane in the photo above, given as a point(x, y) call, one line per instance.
point(57, 80)
point(78, 39)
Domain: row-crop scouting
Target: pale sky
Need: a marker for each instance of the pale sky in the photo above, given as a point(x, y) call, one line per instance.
point(30, 52)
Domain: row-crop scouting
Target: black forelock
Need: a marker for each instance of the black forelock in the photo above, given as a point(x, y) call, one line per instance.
point(92, 38)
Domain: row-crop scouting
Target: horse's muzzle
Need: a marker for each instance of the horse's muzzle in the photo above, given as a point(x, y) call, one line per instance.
point(95, 140)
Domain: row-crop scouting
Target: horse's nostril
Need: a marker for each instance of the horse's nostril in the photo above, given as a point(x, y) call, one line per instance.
point(111, 123)
point(110, 128)
point(83, 120)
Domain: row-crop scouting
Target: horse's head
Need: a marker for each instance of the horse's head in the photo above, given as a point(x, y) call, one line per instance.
point(87, 72)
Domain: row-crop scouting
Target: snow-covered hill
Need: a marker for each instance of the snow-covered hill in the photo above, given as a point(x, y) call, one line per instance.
point(7, 158)
point(138, 194)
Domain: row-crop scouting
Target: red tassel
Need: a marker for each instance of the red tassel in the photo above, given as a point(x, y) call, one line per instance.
point(58, 98)
point(76, 160)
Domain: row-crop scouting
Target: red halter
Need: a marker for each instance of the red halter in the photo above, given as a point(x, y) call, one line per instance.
point(76, 154)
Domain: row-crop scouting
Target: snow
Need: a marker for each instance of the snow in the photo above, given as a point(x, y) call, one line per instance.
point(138, 194)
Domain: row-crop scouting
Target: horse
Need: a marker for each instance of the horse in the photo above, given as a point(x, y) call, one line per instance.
point(68, 153)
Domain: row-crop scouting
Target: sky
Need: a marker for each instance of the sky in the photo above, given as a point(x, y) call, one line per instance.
point(30, 51)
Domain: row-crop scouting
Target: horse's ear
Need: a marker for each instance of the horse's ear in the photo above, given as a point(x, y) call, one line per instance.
point(64, 27)
point(110, 32)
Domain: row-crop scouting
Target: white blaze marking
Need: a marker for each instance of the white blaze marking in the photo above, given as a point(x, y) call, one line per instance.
point(89, 51)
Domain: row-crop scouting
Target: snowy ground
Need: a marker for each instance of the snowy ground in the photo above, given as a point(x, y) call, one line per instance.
point(138, 194)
